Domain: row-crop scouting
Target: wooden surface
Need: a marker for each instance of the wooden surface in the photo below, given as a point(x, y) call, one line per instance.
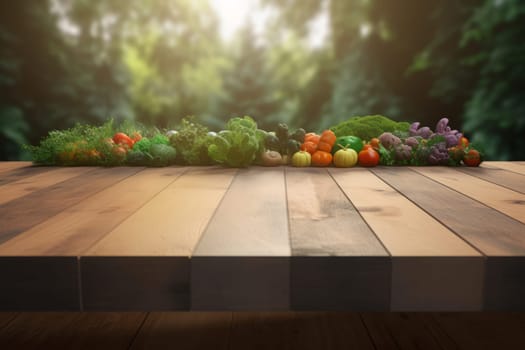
point(262, 330)
point(268, 239)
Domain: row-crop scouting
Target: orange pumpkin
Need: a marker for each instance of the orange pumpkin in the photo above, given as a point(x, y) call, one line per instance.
point(321, 158)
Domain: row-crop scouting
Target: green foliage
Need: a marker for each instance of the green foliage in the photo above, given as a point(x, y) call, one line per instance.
point(368, 127)
point(71, 146)
point(77, 61)
point(495, 111)
point(192, 142)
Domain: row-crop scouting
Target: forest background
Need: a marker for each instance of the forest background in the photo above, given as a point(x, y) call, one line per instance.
point(310, 63)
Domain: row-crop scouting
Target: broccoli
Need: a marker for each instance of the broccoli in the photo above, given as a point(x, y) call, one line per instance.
point(368, 127)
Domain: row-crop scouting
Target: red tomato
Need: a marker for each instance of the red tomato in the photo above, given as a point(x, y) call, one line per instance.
point(122, 139)
point(472, 158)
point(368, 157)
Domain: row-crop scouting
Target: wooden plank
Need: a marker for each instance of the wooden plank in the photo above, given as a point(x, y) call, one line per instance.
point(6, 318)
point(21, 173)
point(159, 283)
point(486, 330)
point(172, 223)
point(508, 179)
point(510, 166)
point(23, 213)
point(242, 259)
point(73, 231)
point(400, 331)
point(71, 331)
point(262, 330)
point(34, 183)
point(153, 245)
point(324, 223)
point(322, 330)
point(505, 283)
point(322, 220)
point(39, 284)
point(184, 330)
point(396, 221)
point(7, 166)
point(494, 234)
point(36, 276)
point(488, 230)
point(502, 199)
point(425, 263)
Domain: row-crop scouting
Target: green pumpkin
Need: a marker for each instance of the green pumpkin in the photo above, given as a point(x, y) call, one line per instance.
point(352, 142)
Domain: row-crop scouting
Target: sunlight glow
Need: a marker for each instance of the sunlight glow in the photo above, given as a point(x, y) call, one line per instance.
point(233, 14)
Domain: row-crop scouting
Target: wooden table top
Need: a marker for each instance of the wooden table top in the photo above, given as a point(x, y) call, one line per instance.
point(210, 238)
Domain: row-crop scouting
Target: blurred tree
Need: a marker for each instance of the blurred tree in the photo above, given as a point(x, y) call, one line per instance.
point(249, 85)
point(50, 80)
point(174, 55)
point(495, 112)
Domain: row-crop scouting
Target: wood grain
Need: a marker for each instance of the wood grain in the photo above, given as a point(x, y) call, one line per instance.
point(516, 167)
point(492, 233)
point(23, 213)
point(34, 183)
point(16, 174)
point(251, 222)
point(487, 330)
point(185, 330)
point(324, 223)
point(418, 275)
point(396, 330)
point(172, 222)
point(251, 219)
point(397, 221)
point(322, 220)
point(7, 166)
point(152, 247)
point(508, 179)
point(502, 199)
point(334, 330)
point(73, 231)
point(262, 330)
point(496, 235)
point(71, 331)
point(6, 318)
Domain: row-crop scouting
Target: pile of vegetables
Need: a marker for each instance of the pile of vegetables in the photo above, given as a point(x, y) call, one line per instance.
point(422, 146)
point(365, 141)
